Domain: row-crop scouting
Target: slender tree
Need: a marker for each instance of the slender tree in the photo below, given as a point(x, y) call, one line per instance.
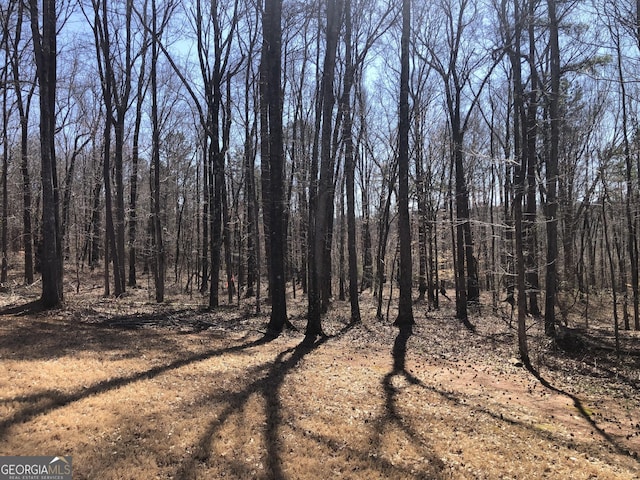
point(156, 225)
point(405, 306)
point(551, 208)
point(4, 76)
point(23, 104)
point(141, 86)
point(322, 200)
point(350, 165)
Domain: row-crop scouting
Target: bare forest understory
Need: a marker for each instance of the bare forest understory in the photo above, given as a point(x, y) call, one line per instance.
point(136, 390)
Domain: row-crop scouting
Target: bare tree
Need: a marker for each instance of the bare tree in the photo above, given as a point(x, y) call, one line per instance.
point(156, 228)
point(458, 66)
point(321, 198)
point(271, 107)
point(23, 95)
point(405, 306)
point(141, 86)
point(44, 33)
point(551, 208)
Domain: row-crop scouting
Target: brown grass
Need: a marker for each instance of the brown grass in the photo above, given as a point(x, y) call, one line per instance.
point(134, 390)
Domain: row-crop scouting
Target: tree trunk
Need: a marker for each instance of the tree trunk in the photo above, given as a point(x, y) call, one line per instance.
point(204, 254)
point(529, 142)
point(250, 198)
point(23, 106)
point(551, 278)
point(133, 181)
point(157, 240)
point(44, 45)
point(5, 167)
point(271, 108)
point(323, 206)
point(405, 306)
point(349, 168)
point(520, 274)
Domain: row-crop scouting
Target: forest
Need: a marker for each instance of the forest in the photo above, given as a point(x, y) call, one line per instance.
point(323, 167)
point(464, 145)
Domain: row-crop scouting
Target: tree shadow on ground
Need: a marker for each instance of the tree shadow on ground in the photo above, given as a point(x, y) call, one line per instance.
point(42, 403)
point(586, 416)
point(43, 338)
point(392, 416)
point(87, 330)
point(595, 354)
point(267, 381)
point(29, 308)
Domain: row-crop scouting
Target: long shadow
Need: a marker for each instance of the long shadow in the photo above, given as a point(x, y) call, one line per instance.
point(97, 332)
point(588, 348)
point(392, 416)
point(44, 339)
point(399, 368)
point(268, 386)
point(577, 403)
point(29, 308)
point(58, 400)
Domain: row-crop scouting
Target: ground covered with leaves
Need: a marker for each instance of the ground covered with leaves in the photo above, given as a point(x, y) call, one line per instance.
point(135, 390)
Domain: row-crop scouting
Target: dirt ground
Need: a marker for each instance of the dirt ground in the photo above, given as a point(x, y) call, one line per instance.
point(134, 390)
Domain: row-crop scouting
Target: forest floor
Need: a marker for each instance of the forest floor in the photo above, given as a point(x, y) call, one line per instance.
point(135, 390)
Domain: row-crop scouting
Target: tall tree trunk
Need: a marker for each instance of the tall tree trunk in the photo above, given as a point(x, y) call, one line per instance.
point(158, 244)
point(119, 226)
point(367, 242)
point(24, 107)
point(342, 242)
point(133, 181)
point(323, 206)
point(530, 133)
point(45, 49)
point(551, 277)
point(250, 193)
point(520, 271)
point(349, 168)
point(226, 216)
point(204, 254)
point(405, 305)
point(216, 178)
point(272, 104)
point(423, 275)
point(5, 170)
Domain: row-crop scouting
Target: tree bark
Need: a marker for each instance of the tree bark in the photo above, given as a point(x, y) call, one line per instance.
point(551, 277)
point(319, 277)
point(157, 240)
point(349, 167)
point(405, 305)
point(272, 104)
point(44, 45)
point(23, 106)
